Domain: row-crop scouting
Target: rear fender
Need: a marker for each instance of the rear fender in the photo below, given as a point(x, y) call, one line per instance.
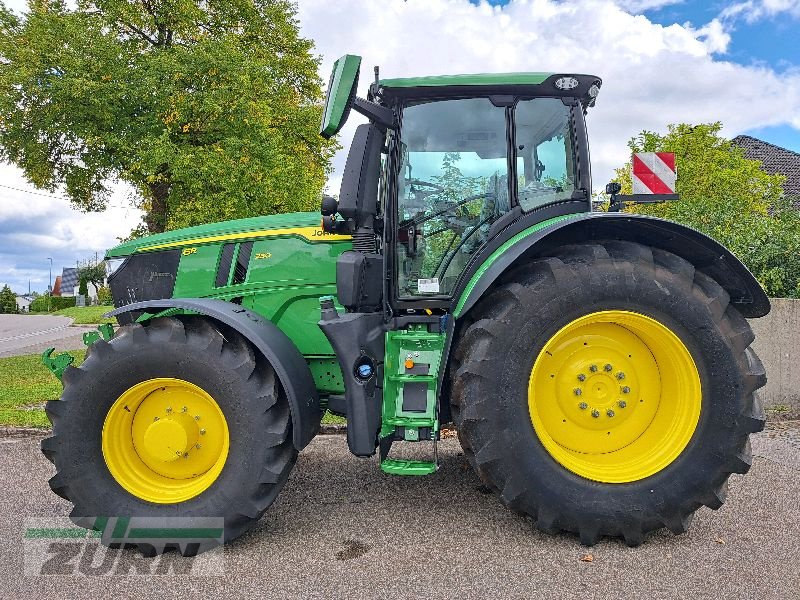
point(706, 254)
point(277, 348)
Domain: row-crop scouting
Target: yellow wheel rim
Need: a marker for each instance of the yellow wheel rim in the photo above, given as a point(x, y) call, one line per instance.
point(614, 396)
point(165, 440)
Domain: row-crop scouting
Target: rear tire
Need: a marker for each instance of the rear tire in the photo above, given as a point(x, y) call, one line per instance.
point(239, 381)
point(512, 326)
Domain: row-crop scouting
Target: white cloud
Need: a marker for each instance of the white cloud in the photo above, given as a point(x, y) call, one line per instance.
point(653, 75)
point(755, 10)
point(35, 226)
point(713, 35)
point(639, 6)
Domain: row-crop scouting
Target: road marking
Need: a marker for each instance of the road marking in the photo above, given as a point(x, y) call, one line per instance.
point(33, 333)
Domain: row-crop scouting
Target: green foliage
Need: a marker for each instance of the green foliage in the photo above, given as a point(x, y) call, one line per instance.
point(93, 273)
point(83, 287)
point(209, 109)
point(104, 296)
point(56, 303)
point(8, 301)
point(728, 197)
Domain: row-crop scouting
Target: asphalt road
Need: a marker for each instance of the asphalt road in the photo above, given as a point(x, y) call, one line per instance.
point(343, 529)
point(33, 334)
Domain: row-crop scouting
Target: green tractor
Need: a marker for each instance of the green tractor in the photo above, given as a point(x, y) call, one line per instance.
point(596, 365)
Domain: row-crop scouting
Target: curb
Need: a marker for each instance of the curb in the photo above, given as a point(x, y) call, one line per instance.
point(332, 429)
point(23, 432)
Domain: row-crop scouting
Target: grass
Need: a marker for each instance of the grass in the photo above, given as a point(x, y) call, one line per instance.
point(25, 385)
point(87, 315)
point(331, 419)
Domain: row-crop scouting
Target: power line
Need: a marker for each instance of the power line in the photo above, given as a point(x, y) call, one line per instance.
point(34, 193)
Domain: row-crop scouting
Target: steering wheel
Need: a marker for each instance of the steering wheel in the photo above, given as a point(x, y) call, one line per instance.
point(449, 208)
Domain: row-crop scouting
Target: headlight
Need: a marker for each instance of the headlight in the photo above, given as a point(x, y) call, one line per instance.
point(112, 264)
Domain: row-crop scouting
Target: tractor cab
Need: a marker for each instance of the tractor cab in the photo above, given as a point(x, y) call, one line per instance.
point(447, 163)
point(445, 172)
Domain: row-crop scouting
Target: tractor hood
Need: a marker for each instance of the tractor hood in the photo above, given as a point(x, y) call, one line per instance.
point(240, 229)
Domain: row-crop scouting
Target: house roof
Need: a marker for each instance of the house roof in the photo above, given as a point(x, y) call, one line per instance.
point(774, 159)
point(69, 279)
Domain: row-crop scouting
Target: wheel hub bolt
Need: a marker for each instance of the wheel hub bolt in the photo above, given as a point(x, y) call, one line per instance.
point(608, 367)
point(595, 413)
point(581, 377)
point(178, 452)
point(578, 391)
point(583, 406)
point(184, 409)
point(155, 419)
point(622, 404)
point(620, 375)
point(169, 409)
point(197, 417)
point(626, 390)
point(186, 455)
point(202, 432)
point(197, 446)
point(593, 368)
point(610, 412)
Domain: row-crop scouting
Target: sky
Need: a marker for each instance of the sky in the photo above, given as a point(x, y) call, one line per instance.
point(661, 61)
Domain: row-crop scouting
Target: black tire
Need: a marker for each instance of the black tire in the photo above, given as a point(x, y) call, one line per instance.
point(243, 384)
point(495, 352)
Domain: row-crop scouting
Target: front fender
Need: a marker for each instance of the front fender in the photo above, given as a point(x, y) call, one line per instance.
point(706, 254)
point(277, 348)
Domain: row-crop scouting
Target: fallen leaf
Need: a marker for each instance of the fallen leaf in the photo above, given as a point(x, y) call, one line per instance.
point(587, 558)
point(719, 540)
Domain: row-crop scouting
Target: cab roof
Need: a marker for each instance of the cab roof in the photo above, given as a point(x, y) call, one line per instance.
point(473, 79)
point(531, 84)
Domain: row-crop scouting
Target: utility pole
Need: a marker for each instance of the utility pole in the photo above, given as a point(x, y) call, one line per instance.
point(50, 287)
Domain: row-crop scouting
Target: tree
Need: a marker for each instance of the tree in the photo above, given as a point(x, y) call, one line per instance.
point(730, 198)
point(94, 273)
point(208, 108)
point(8, 301)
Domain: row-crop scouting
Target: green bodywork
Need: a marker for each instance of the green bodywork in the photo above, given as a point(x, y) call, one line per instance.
point(500, 252)
point(58, 363)
point(106, 331)
point(343, 79)
point(292, 263)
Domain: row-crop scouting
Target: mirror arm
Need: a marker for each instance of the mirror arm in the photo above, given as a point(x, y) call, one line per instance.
point(380, 115)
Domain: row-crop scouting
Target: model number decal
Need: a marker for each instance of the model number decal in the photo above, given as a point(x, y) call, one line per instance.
point(188, 251)
point(262, 255)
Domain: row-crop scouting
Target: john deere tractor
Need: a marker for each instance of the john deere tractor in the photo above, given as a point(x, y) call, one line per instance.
point(596, 365)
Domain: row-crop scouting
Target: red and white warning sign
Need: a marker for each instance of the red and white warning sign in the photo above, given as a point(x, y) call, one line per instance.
point(654, 173)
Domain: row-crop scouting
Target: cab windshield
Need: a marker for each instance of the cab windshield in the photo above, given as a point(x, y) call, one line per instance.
point(454, 182)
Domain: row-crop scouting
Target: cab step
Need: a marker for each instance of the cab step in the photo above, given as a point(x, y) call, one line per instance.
point(410, 396)
point(397, 466)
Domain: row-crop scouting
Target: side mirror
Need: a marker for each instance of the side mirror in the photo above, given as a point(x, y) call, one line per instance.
point(341, 94)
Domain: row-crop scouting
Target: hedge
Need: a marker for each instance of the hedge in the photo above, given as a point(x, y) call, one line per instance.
point(56, 303)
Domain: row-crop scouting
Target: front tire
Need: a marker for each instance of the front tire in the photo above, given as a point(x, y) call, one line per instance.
point(538, 425)
point(174, 428)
